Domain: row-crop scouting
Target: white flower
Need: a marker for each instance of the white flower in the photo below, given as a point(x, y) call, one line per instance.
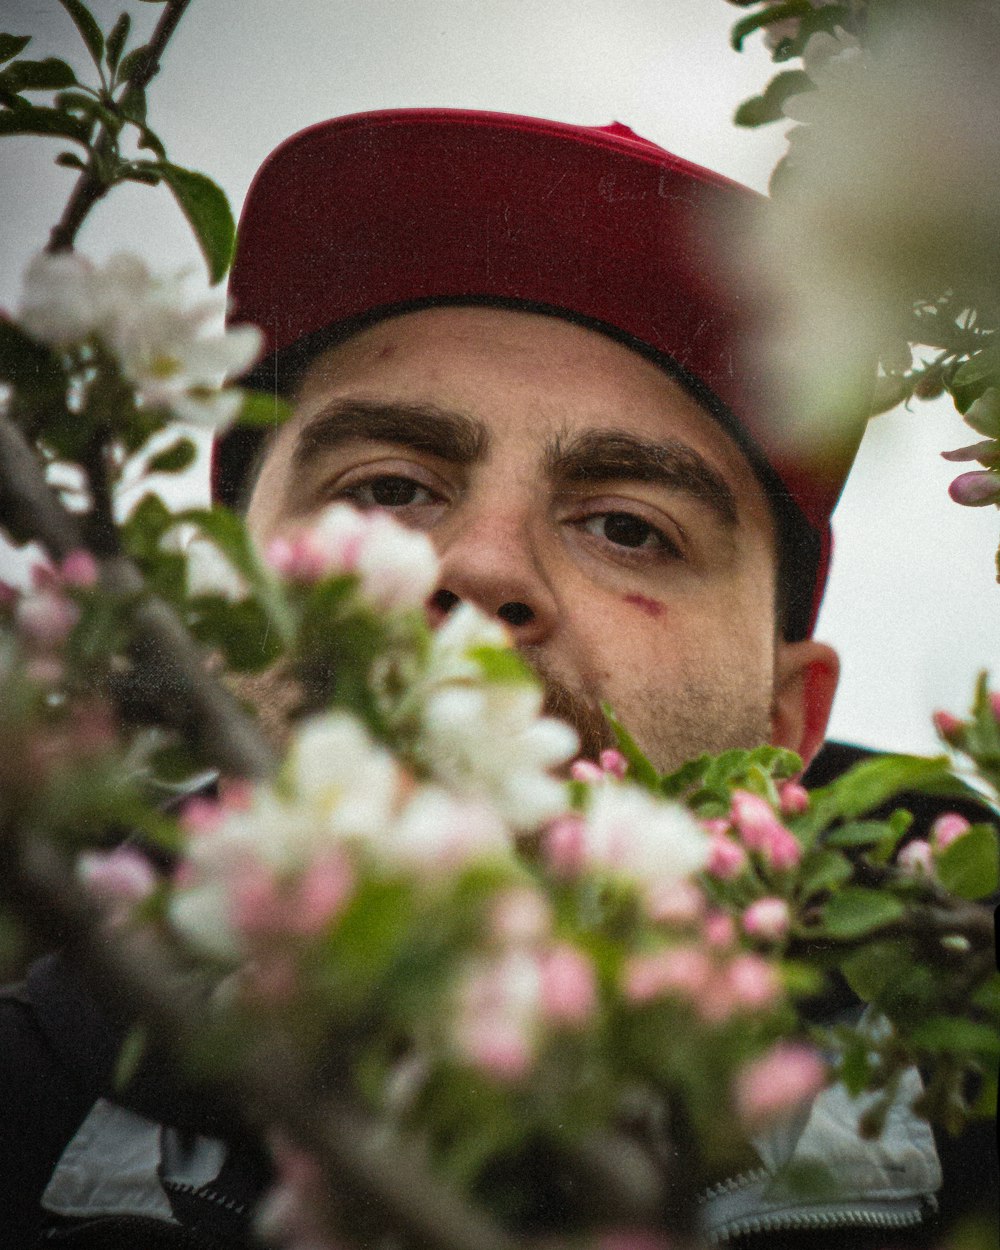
point(338, 771)
point(491, 740)
point(398, 566)
point(440, 833)
point(465, 629)
point(650, 841)
point(59, 303)
point(172, 347)
point(209, 572)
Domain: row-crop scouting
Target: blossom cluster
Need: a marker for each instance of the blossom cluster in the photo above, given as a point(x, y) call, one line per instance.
point(169, 346)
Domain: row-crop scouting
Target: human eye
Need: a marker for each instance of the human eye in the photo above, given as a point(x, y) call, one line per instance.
point(389, 491)
point(631, 533)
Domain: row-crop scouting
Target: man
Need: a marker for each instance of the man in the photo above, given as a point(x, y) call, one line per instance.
point(516, 336)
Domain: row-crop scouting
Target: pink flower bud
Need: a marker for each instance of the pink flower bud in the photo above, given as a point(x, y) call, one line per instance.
point(794, 798)
point(719, 930)
point(947, 829)
point(995, 703)
point(501, 1049)
point(568, 986)
point(613, 762)
point(586, 770)
point(726, 858)
point(916, 858)
point(201, 816)
point(753, 818)
point(778, 1083)
point(976, 489)
point(949, 727)
point(753, 982)
point(717, 824)
point(767, 918)
point(783, 849)
point(683, 970)
point(46, 617)
point(120, 878)
point(520, 916)
point(254, 902)
point(79, 569)
point(984, 451)
point(676, 903)
point(326, 886)
point(564, 845)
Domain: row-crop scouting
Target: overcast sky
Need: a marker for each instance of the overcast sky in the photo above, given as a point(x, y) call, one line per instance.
point(912, 604)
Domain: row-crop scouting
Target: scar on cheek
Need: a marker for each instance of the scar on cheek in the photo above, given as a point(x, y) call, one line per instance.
point(648, 606)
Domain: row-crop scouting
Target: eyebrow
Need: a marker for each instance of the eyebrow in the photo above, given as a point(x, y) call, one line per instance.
point(456, 438)
point(451, 436)
point(613, 455)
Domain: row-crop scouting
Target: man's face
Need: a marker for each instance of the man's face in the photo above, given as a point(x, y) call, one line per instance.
point(571, 488)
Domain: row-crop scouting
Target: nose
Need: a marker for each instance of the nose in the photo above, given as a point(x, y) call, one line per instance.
point(490, 559)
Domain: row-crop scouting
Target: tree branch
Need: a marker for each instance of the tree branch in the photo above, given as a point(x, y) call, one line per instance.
point(138, 977)
point(168, 667)
point(90, 186)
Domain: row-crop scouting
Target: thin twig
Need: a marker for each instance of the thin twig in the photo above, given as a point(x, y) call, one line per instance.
point(90, 186)
point(167, 665)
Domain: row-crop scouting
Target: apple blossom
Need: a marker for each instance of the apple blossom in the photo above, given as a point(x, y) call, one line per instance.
point(520, 916)
point(916, 858)
point(767, 918)
point(947, 829)
point(120, 878)
point(677, 903)
point(59, 301)
point(719, 929)
point(46, 617)
point(209, 572)
point(793, 798)
point(949, 727)
point(498, 1007)
point(78, 569)
point(778, 1083)
point(685, 971)
point(726, 858)
point(995, 703)
point(976, 489)
point(612, 761)
point(568, 990)
point(753, 981)
point(438, 833)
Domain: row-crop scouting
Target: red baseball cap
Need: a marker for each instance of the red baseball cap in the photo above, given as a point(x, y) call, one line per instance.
point(364, 216)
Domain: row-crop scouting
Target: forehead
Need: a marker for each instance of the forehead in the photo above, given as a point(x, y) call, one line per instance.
point(526, 377)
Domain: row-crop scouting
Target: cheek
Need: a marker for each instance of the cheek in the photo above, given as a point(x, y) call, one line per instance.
point(648, 607)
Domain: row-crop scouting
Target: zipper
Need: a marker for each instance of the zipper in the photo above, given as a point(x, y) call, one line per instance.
point(208, 1195)
point(737, 1211)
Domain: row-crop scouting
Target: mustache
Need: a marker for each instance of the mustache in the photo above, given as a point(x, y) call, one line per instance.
point(583, 714)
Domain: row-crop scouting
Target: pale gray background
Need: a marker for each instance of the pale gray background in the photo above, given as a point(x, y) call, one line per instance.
point(912, 604)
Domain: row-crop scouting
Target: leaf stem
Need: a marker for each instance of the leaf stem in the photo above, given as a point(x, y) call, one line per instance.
point(93, 184)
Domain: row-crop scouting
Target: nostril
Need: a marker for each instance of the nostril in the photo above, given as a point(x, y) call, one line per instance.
point(515, 613)
point(443, 601)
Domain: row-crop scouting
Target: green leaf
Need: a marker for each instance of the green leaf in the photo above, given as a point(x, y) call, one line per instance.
point(502, 666)
point(129, 64)
point(764, 17)
point(857, 833)
point(241, 631)
point(70, 160)
point(116, 40)
point(129, 1057)
point(640, 769)
point(984, 415)
point(48, 75)
point(947, 1033)
point(11, 45)
point(25, 362)
point(261, 409)
point(205, 206)
point(87, 26)
point(90, 108)
point(687, 777)
point(869, 969)
point(35, 120)
point(761, 109)
point(854, 911)
point(873, 782)
point(983, 366)
point(970, 866)
point(173, 459)
point(823, 871)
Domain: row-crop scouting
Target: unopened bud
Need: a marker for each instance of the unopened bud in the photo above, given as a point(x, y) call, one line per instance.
point(976, 489)
point(949, 727)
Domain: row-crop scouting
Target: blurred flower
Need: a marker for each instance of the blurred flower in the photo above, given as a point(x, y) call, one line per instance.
point(976, 489)
point(568, 990)
point(438, 833)
point(46, 617)
point(119, 878)
point(778, 1083)
point(498, 1009)
point(767, 918)
point(209, 572)
point(726, 858)
point(949, 727)
point(172, 348)
point(79, 570)
point(794, 799)
point(492, 740)
point(947, 829)
point(684, 971)
point(916, 858)
point(762, 831)
point(520, 916)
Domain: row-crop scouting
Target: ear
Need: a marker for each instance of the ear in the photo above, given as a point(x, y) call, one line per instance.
point(805, 682)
